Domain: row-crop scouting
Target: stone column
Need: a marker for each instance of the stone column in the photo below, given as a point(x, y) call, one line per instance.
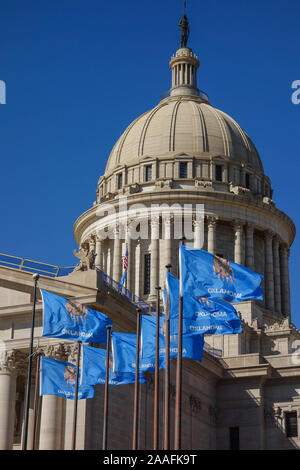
point(211, 237)
point(269, 271)
point(277, 276)
point(99, 253)
point(7, 400)
point(198, 234)
point(238, 242)
point(51, 423)
point(92, 243)
point(117, 259)
point(168, 240)
point(285, 280)
point(138, 268)
point(129, 243)
point(250, 247)
point(52, 410)
point(154, 255)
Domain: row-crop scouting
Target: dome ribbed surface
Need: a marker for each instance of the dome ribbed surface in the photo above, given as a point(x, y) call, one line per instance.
point(183, 125)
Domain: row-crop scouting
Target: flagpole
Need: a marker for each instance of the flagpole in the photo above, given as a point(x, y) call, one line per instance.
point(136, 386)
point(105, 412)
point(36, 399)
point(28, 386)
point(167, 376)
point(177, 437)
point(156, 375)
point(76, 397)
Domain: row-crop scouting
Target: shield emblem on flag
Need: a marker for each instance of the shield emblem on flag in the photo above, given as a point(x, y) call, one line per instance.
point(70, 375)
point(76, 311)
point(223, 269)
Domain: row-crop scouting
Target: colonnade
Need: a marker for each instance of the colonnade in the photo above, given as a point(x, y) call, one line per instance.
point(275, 256)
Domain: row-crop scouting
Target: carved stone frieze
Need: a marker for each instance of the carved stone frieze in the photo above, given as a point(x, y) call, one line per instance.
point(164, 184)
point(206, 184)
point(239, 190)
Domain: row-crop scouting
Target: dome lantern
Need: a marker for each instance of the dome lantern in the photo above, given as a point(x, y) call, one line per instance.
point(184, 65)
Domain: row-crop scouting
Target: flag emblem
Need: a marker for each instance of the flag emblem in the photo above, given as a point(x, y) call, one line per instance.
point(223, 269)
point(76, 311)
point(205, 302)
point(70, 375)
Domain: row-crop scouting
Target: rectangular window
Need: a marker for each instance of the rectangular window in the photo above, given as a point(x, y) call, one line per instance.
point(120, 181)
point(147, 274)
point(148, 174)
point(234, 438)
point(219, 171)
point(291, 424)
point(183, 170)
point(247, 181)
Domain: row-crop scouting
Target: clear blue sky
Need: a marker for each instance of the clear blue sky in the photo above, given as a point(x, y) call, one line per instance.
point(77, 74)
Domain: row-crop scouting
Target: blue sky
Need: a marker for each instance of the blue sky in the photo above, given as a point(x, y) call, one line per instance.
point(78, 72)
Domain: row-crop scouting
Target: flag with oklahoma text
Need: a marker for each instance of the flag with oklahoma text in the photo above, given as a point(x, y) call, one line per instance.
point(68, 319)
point(205, 275)
point(202, 315)
point(58, 378)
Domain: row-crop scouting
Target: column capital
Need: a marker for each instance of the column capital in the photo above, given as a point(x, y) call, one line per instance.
point(269, 235)
point(91, 239)
point(276, 241)
point(238, 225)
point(211, 221)
point(197, 222)
point(285, 249)
point(250, 226)
point(57, 351)
point(99, 240)
point(7, 361)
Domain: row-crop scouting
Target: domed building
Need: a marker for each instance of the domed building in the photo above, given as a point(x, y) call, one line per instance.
point(186, 152)
point(187, 169)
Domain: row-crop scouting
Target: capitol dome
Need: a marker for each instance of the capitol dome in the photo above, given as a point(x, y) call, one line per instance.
point(181, 155)
point(184, 124)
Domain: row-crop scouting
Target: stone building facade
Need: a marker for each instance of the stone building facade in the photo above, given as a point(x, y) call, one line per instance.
point(184, 153)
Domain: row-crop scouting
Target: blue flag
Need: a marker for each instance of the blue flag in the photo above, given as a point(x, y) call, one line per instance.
point(124, 354)
point(205, 275)
point(202, 315)
point(124, 347)
point(68, 319)
point(58, 378)
point(94, 369)
point(192, 345)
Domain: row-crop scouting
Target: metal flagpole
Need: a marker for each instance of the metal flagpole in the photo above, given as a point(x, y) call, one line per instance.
point(136, 386)
point(36, 399)
point(76, 397)
point(167, 375)
point(156, 375)
point(105, 412)
point(27, 396)
point(177, 437)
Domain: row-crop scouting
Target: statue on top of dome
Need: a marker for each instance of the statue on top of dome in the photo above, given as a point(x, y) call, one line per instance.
point(185, 28)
